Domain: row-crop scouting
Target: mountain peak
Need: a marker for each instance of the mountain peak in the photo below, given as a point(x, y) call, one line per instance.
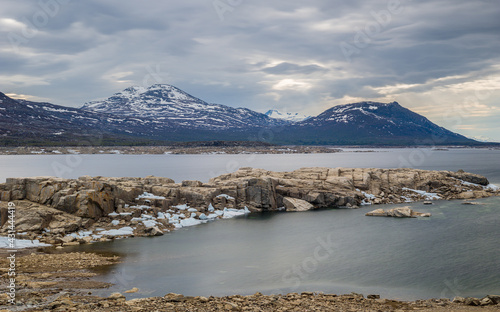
point(165, 91)
point(163, 102)
point(165, 112)
point(373, 122)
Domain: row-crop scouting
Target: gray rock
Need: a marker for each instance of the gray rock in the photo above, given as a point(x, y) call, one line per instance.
point(155, 231)
point(486, 301)
point(116, 296)
point(373, 297)
point(458, 299)
point(472, 301)
point(295, 204)
point(494, 298)
point(399, 212)
point(68, 239)
point(192, 183)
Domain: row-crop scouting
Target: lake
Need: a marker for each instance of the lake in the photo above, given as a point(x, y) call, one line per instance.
point(455, 252)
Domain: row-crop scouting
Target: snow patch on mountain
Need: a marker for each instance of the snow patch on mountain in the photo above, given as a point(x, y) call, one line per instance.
point(292, 117)
point(351, 113)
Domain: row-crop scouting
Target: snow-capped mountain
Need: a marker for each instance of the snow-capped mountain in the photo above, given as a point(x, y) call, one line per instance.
point(292, 117)
point(166, 103)
point(371, 123)
point(35, 122)
point(165, 113)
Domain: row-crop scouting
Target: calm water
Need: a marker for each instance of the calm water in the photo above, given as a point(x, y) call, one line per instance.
point(455, 252)
point(204, 167)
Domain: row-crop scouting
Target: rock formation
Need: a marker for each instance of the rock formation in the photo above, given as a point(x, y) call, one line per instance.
point(66, 205)
point(400, 212)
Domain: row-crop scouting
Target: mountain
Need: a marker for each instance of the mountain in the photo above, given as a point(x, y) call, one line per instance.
point(163, 113)
point(292, 117)
point(20, 120)
point(370, 123)
point(166, 103)
point(35, 122)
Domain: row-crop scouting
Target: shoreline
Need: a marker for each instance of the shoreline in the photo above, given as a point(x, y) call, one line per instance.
point(169, 150)
point(211, 149)
point(65, 282)
point(53, 210)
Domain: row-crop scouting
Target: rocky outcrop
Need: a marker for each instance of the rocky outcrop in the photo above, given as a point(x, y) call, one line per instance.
point(400, 212)
point(31, 217)
point(93, 200)
point(347, 187)
point(258, 189)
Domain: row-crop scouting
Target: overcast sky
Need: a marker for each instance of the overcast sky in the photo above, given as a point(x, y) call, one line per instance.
point(440, 58)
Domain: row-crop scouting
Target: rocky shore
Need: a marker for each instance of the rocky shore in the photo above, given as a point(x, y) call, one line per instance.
point(65, 212)
point(306, 301)
point(64, 282)
point(73, 211)
point(172, 149)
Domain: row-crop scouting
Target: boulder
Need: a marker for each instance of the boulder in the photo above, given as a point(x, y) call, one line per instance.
point(261, 193)
point(494, 298)
point(46, 193)
point(295, 204)
point(155, 231)
point(470, 177)
point(158, 180)
point(5, 196)
point(399, 212)
point(116, 296)
point(127, 193)
point(68, 239)
point(377, 213)
point(32, 217)
point(466, 195)
point(472, 301)
point(191, 183)
point(458, 299)
point(486, 301)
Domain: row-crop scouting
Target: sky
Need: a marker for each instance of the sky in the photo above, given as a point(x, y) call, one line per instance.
point(439, 58)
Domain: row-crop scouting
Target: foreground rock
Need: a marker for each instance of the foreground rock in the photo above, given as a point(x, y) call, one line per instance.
point(306, 301)
point(400, 212)
point(99, 208)
point(42, 278)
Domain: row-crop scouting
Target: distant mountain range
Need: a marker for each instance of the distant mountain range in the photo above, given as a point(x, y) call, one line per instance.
point(292, 117)
point(163, 113)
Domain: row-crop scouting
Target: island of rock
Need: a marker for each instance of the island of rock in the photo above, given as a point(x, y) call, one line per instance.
point(72, 211)
point(399, 212)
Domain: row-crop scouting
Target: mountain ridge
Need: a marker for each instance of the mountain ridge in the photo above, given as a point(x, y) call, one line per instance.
point(371, 122)
point(166, 102)
point(164, 113)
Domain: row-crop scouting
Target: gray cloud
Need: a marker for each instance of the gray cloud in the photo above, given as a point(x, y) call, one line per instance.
point(283, 54)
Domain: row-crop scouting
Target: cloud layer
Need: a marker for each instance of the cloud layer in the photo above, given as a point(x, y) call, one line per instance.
point(439, 58)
